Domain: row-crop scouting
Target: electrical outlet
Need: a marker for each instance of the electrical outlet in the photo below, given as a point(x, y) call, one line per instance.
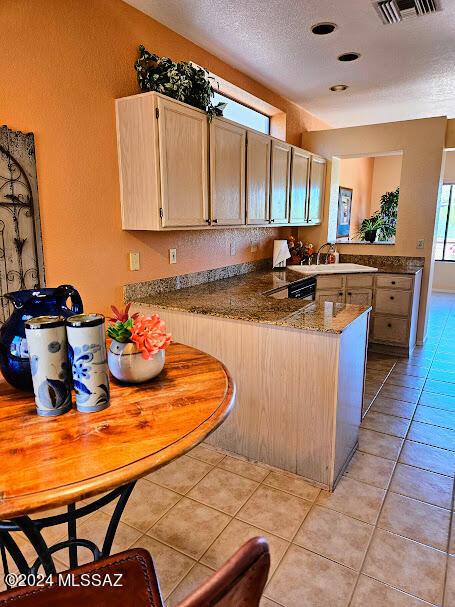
point(172, 255)
point(420, 244)
point(134, 261)
point(232, 249)
point(254, 248)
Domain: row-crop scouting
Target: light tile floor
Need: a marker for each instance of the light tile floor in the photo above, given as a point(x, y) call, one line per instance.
point(381, 539)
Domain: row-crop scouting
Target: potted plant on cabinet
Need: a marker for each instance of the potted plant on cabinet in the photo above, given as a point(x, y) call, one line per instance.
point(137, 350)
point(180, 80)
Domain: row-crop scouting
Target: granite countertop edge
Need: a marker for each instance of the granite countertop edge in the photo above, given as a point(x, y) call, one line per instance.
point(311, 320)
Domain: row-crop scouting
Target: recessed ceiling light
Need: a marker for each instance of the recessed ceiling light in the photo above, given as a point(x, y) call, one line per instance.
point(349, 57)
point(322, 29)
point(339, 87)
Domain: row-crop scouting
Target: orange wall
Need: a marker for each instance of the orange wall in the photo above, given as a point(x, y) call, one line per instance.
point(357, 174)
point(386, 178)
point(62, 64)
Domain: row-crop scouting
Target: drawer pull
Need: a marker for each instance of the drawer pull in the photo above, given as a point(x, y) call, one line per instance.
point(215, 221)
point(389, 324)
point(349, 293)
point(392, 297)
point(340, 293)
point(393, 282)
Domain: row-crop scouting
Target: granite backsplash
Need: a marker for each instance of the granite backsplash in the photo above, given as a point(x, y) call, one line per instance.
point(385, 262)
point(138, 290)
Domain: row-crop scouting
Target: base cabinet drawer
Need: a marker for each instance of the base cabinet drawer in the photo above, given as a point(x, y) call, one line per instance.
point(393, 281)
point(327, 283)
point(390, 329)
point(393, 301)
point(333, 295)
point(359, 280)
point(360, 297)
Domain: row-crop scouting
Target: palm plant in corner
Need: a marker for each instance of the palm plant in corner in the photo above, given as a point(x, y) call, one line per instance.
point(137, 350)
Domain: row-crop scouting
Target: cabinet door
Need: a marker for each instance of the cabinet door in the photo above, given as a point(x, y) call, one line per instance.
point(280, 182)
point(183, 150)
point(361, 297)
point(316, 195)
point(335, 296)
point(227, 172)
point(257, 178)
point(300, 173)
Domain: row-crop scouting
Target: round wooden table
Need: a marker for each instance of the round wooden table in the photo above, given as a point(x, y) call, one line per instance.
point(50, 462)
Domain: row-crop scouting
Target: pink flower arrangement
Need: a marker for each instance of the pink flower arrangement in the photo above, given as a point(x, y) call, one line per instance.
point(147, 332)
point(149, 335)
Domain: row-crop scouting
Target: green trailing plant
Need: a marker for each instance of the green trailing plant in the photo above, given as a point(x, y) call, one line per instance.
point(388, 211)
point(180, 80)
point(383, 223)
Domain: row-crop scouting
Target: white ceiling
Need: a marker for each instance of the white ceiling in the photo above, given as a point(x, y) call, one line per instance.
point(406, 71)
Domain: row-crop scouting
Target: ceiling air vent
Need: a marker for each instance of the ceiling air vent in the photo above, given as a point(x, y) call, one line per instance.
point(394, 11)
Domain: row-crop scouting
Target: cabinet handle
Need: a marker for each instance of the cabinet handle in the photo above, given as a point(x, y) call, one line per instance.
point(349, 293)
point(389, 325)
point(209, 221)
point(215, 221)
point(393, 282)
point(392, 297)
point(272, 221)
point(340, 293)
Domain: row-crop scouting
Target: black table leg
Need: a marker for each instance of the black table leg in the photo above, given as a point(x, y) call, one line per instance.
point(32, 528)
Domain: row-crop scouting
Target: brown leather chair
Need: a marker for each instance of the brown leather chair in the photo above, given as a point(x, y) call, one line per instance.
point(238, 583)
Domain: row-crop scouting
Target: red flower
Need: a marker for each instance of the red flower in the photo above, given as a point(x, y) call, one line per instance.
point(149, 334)
point(121, 315)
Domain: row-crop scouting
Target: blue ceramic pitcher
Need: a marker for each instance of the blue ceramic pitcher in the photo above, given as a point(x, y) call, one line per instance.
point(14, 360)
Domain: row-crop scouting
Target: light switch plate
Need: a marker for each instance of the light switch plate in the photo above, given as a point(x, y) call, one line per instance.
point(420, 244)
point(172, 255)
point(134, 261)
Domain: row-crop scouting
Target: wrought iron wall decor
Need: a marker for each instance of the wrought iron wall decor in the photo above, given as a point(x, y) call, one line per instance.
point(21, 250)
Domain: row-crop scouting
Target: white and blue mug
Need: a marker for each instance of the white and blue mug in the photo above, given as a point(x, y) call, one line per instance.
point(47, 347)
point(87, 350)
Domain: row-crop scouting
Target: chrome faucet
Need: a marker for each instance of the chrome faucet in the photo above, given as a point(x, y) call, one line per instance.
point(318, 257)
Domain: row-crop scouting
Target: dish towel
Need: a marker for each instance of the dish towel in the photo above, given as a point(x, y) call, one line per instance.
point(280, 253)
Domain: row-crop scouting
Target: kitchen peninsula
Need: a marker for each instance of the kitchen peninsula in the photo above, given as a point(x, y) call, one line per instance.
point(299, 365)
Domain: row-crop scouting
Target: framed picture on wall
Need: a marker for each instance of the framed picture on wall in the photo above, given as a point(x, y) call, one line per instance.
point(344, 212)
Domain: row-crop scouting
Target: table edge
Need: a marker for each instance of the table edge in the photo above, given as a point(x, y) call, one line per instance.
point(68, 494)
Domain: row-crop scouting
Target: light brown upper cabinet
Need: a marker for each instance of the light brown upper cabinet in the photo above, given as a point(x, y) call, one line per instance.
point(163, 161)
point(178, 171)
point(280, 182)
point(182, 136)
point(227, 172)
point(300, 175)
point(316, 195)
point(257, 178)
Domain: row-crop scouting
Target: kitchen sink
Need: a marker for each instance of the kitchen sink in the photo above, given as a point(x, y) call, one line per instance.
point(332, 268)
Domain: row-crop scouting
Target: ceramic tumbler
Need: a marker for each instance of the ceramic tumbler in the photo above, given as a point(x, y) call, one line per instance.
point(87, 350)
point(47, 348)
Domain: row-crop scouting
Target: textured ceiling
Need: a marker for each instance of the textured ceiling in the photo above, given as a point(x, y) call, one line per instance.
point(406, 70)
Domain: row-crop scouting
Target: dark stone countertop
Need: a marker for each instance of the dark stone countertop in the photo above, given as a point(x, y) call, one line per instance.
point(242, 298)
